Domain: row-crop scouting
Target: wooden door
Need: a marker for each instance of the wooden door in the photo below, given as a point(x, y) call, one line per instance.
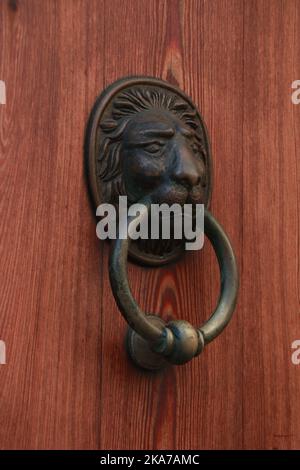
point(67, 382)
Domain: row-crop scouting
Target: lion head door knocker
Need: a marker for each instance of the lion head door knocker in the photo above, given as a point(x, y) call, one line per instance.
point(147, 141)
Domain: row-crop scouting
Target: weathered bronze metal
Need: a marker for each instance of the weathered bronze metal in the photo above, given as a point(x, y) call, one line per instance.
point(146, 140)
point(177, 341)
point(144, 135)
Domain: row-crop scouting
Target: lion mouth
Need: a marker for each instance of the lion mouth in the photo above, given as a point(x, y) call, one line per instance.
point(179, 194)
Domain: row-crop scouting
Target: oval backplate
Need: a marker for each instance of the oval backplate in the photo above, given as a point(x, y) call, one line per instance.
point(117, 104)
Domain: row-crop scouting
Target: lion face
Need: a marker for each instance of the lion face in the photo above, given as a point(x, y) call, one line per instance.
point(146, 138)
point(153, 143)
point(160, 156)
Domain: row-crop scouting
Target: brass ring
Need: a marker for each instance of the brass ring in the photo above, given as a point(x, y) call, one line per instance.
point(151, 342)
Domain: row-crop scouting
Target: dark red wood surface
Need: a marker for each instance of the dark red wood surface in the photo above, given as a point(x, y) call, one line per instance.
point(68, 382)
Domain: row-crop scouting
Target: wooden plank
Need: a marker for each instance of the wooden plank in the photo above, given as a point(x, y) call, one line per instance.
point(67, 382)
point(271, 216)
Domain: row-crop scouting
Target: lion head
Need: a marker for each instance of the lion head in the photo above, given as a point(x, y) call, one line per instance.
point(151, 142)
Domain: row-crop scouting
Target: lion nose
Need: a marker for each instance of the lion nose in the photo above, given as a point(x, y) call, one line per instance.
point(186, 171)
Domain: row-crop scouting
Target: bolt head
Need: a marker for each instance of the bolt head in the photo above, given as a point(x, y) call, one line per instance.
point(187, 342)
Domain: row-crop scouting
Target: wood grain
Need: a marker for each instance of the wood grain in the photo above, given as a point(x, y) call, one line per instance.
point(67, 382)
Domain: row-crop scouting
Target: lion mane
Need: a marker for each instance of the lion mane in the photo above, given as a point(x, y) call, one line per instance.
point(125, 106)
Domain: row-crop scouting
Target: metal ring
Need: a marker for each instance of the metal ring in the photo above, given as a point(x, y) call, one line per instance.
point(177, 341)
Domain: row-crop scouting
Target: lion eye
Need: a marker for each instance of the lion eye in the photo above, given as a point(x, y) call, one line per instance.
point(153, 148)
point(198, 151)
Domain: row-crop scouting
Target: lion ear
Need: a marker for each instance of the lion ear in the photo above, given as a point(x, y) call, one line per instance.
point(108, 125)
